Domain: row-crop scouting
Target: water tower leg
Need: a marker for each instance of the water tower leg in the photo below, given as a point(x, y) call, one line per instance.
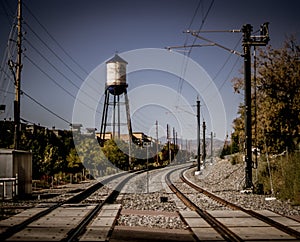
point(104, 116)
point(129, 127)
point(114, 117)
point(119, 131)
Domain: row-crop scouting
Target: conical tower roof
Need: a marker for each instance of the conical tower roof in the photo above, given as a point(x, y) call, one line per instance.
point(116, 59)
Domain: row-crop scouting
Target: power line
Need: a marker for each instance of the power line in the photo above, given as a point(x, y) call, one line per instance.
point(6, 9)
point(54, 40)
point(194, 41)
point(56, 55)
point(60, 86)
point(47, 75)
point(60, 72)
point(227, 60)
point(44, 107)
point(53, 66)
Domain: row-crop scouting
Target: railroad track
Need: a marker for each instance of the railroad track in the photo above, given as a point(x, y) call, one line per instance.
point(95, 217)
point(88, 212)
point(228, 223)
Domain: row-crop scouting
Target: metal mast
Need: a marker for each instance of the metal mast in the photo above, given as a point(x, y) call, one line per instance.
point(198, 135)
point(248, 41)
point(248, 116)
point(204, 144)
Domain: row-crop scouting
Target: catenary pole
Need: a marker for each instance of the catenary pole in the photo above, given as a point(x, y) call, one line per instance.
point(198, 135)
point(248, 116)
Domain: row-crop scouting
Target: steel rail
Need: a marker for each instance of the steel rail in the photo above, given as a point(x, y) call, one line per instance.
point(75, 199)
point(233, 206)
point(226, 233)
point(74, 233)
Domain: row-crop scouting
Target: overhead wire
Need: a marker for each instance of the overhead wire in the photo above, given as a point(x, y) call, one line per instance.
point(60, 59)
point(5, 9)
point(194, 41)
point(55, 41)
point(44, 107)
point(56, 83)
point(58, 71)
point(54, 53)
point(188, 53)
point(9, 53)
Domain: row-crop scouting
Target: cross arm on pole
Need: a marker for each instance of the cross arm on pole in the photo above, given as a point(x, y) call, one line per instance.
point(195, 33)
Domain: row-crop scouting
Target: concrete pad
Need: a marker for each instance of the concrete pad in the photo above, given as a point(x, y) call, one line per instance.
point(242, 222)
point(95, 234)
point(39, 234)
point(12, 221)
point(58, 222)
point(260, 233)
point(189, 214)
point(20, 217)
point(30, 212)
point(286, 221)
point(228, 214)
point(295, 228)
point(197, 223)
point(112, 206)
point(207, 234)
point(127, 233)
point(267, 213)
point(103, 222)
point(77, 206)
point(68, 213)
point(108, 213)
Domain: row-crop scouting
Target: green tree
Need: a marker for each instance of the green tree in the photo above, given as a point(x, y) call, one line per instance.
point(74, 162)
point(116, 155)
point(277, 99)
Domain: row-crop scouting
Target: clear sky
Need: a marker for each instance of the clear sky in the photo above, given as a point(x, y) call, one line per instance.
point(66, 41)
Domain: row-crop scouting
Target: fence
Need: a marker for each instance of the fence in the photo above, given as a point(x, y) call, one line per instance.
point(9, 187)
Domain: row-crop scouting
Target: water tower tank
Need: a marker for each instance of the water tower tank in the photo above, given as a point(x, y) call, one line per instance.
point(116, 75)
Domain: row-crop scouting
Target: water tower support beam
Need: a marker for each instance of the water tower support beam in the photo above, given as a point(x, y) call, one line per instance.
point(119, 129)
point(114, 118)
point(129, 127)
point(104, 115)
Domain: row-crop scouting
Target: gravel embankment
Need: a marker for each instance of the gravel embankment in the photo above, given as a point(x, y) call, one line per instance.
point(226, 181)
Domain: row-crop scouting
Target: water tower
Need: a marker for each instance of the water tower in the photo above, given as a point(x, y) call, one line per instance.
point(115, 89)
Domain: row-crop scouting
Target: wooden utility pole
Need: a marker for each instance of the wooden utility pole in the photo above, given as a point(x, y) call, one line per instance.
point(17, 106)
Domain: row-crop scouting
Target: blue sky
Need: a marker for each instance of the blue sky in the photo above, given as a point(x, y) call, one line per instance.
point(91, 32)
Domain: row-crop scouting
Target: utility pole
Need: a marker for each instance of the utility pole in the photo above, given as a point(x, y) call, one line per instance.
point(249, 41)
point(247, 29)
point(186, 148)
point(156, 124)
point(204, 144)
point(174, 141)
point(198, 134)
point(17, 106)
point(169, 145)
point(211, 147)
